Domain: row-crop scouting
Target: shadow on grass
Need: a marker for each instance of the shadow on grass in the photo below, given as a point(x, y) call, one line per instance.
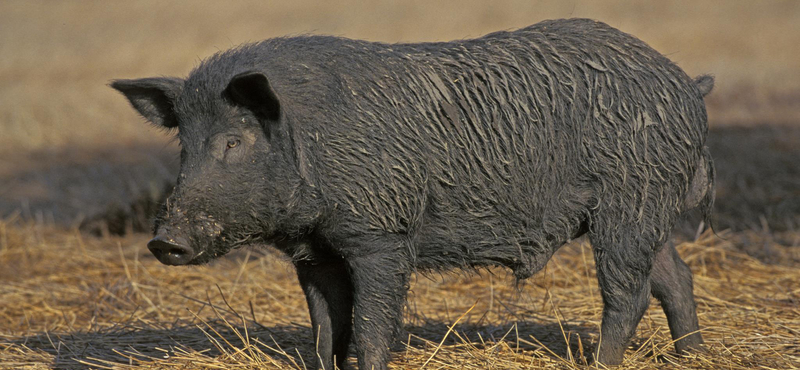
point(66, 186)
point(200, 343)
point(218, 343)
point(758, 176)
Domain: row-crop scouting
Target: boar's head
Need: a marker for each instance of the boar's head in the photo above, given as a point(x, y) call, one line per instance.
point(238, 181)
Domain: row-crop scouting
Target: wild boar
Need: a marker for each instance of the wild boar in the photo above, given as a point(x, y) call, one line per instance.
point(366, 162)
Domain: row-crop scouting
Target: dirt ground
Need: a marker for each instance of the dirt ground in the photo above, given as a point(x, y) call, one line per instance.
point(73, 153)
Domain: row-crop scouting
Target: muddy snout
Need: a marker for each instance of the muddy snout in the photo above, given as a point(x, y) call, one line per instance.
point(171, 250)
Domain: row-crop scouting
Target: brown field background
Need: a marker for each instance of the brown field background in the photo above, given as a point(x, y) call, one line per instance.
point(72, 150)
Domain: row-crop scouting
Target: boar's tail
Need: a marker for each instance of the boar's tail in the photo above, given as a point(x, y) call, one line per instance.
point(704, 84)
point(703, 189)
point(707, 204)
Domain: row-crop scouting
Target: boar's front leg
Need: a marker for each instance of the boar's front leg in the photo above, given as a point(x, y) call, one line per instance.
point(380, 276)
point(330, 303)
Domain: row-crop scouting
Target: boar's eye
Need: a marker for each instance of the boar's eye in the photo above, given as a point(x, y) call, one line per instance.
point(230, 148)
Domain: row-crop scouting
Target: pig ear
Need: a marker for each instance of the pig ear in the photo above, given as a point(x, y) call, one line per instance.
point(154, 98)
point(252, 91)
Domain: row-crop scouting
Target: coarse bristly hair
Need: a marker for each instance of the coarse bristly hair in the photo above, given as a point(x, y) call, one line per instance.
point(386, 158)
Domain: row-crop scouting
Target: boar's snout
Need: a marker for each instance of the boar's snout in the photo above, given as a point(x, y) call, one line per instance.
point(170, 251)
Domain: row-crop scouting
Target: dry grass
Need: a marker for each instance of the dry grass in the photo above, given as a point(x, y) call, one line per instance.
point(75, 302)
point(71, 148)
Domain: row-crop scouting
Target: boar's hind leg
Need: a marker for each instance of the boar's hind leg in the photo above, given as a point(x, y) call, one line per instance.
point(380, 278)
point(623, 267)
point(671, 283)
point(330, 303)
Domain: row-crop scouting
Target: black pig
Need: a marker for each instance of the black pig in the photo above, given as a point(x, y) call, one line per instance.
point(366, 162)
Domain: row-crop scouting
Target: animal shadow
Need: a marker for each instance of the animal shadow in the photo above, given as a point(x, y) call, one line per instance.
point(291, 346)
point(203, 343)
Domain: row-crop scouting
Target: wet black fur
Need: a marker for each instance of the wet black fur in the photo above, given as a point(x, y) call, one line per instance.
point(369, 161)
